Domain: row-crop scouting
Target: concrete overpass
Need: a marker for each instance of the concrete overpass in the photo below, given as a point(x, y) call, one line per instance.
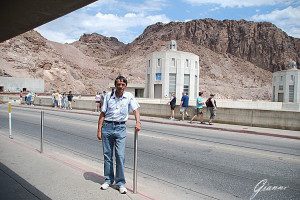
point(20, 16)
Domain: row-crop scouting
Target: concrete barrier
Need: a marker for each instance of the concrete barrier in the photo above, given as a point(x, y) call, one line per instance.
point(250, 117)
point(280, 119)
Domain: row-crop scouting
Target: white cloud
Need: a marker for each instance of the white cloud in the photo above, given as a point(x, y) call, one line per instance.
point(214, 9)
point(112, 23)
point(238, 3)
point(71, 27)
point(56, 36)
point(286, 19)
point(126, 22)
point(143, 7)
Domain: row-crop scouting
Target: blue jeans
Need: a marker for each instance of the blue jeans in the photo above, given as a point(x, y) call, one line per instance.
point(113, 138)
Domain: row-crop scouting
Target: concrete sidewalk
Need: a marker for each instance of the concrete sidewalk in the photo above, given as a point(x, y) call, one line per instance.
point(27, 174)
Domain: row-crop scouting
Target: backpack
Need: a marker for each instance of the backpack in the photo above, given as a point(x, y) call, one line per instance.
point(207, 102)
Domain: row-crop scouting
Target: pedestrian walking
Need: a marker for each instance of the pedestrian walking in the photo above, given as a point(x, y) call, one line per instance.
point(184, 104)
point(25, 98)
point(64, 101)
point(21, 96)
point(102, 99)
point(98, 100)
point(33, 95)
point(53, 98)
point(56, 99)
point(211, 107)
point(172, 103)
point(199, 108)
point(112, 132)
point(28, 98)
point(70, 99)
point(59, 100)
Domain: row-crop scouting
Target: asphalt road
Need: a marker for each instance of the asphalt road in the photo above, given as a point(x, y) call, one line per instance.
point(208, 163)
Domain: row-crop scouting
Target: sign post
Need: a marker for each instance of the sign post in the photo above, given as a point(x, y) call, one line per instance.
point(135, 163)
point(42, 131)
point(9, 119)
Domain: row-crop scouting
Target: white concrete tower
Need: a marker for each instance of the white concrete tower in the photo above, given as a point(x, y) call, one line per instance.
point(286, 85)
point(172, 71)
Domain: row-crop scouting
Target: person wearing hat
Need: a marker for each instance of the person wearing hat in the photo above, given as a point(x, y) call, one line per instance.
point(211, 107)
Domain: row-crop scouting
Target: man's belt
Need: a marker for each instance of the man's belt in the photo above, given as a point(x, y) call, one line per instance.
point(114, 122)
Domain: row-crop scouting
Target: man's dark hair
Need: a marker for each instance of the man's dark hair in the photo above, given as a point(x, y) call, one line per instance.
point(200, 93)
point(121, 78)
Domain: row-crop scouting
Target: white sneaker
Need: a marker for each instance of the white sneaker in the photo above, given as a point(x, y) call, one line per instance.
point(104, 186)
point(123, 190)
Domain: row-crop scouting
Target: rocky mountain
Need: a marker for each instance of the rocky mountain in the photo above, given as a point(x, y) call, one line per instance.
point(237, 58)
point(100, 47)
point(262, 44)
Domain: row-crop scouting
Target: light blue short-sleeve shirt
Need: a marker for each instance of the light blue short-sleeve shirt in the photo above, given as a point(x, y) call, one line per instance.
point(117, 109)
point(199, 102)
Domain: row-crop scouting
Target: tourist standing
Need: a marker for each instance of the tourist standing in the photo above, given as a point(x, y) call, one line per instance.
point(112, 132)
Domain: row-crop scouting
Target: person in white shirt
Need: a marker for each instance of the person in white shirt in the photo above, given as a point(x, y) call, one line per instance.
point(112, 131)
point(98, 100)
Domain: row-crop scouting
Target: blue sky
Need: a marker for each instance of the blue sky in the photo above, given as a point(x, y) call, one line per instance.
point(127, 19)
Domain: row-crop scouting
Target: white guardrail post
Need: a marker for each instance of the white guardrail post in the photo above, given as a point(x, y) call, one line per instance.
point(9, 119)
point(42, 131)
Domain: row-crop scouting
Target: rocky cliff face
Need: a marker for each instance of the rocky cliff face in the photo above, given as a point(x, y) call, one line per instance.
point(62, 66)
point(237, 58)
point(262, 44)
point(100, 47)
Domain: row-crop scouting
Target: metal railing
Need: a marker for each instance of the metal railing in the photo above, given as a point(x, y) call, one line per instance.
point(42, 139)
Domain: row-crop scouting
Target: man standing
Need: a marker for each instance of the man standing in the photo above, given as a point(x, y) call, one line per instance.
point(184, 104)
point(199, 108)
point(112, 131)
